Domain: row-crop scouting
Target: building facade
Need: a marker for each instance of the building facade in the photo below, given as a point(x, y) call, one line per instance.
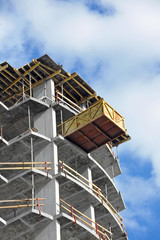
point(56, 155)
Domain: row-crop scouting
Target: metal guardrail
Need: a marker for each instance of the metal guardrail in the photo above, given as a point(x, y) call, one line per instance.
point(96, 190)
point(24, 165)
point(76, 214)
point(100, 108)
point(63, 99)
point(26, 201)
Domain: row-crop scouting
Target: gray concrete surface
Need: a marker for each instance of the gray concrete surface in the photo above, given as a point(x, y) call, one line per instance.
point(18, 143)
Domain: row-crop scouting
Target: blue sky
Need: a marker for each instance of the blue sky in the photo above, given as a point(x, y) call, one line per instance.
point(114, 46)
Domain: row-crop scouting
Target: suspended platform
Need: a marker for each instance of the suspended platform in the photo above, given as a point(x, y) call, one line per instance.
point(94, 127)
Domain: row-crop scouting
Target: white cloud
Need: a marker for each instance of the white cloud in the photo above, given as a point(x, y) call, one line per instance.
point(140, 195)
point(121, 49)
point(124, 46)
point(119, 55)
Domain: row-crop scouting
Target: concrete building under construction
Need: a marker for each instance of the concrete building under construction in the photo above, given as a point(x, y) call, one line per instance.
point(57, 165)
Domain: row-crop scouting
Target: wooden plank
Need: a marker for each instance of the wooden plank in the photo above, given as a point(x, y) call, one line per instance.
point(23, 163)
point(84, 88)
point(33, 85)
point(25, 168)
point(20, 200)
point(78, 93)
point(20, 206)
point(19, 78)
point(3, 67)
point(67, 79)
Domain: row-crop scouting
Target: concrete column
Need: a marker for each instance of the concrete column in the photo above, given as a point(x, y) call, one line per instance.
point(89, 212)
point(45, 122)
point(45, 90)
point(88, 175)
point(50, 232)
point(106, 191)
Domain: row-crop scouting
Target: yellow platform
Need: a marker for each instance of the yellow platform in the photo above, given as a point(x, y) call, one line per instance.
point(97, 125)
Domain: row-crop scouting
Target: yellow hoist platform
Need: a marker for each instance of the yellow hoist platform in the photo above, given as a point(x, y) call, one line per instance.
point(97, 125)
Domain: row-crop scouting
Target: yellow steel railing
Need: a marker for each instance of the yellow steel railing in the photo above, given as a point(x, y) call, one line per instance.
point(96, 190)
point(24, 203)
point(100, 230)
point(100, 108)
point(25, 165)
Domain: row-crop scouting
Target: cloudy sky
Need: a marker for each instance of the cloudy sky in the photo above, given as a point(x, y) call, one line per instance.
point(115, 46)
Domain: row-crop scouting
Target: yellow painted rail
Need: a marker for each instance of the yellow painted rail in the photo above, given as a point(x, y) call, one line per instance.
point(25, 165)
point(99, 109)
point(96, 190)
point(99, 229)
point(25, 201)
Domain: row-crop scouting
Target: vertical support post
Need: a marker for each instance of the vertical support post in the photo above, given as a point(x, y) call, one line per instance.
point(88, 174)
point(23, 87)
point(110, 229)
point(32, 151)
point(117, 153)
point(32, 190)
point(61, 113)
point(30, 85)
point(89, 211)
point(112, 172)
point(45, 91)
point(1, 131)
point(87, 103)
point(106, 191)
point(62, 90)
point(32, 173)
point(29, 118)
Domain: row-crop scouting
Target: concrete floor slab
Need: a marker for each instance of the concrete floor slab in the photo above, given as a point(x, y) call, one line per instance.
point(25, 224)
point(12, 128)
point(107, 160)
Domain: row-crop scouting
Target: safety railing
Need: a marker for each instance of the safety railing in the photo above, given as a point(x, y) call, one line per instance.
point(24, 203)
point(103, 233)
point(96, 190)
point(25, 165)
point(100, 108)
point(63, 99)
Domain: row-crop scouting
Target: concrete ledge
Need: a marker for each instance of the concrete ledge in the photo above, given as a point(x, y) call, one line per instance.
point(36, 136)
point(32, 102)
